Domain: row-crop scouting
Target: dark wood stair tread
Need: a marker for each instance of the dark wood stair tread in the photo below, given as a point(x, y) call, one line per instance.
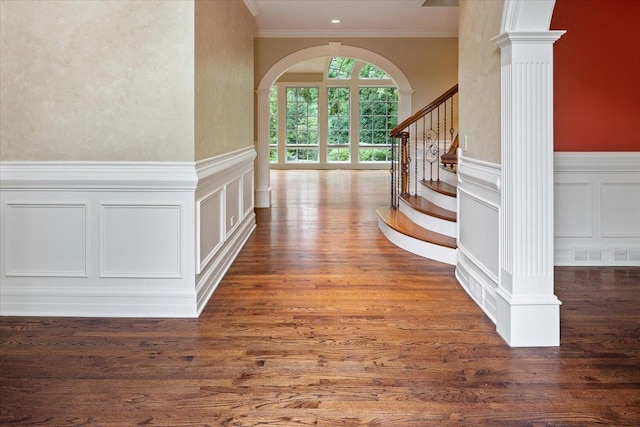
point(402, 224)
point(441, 187)
point(424, 206)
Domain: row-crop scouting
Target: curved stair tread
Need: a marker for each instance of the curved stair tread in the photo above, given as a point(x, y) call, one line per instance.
point(441, 187)
point(402, 224)
point(426, 207)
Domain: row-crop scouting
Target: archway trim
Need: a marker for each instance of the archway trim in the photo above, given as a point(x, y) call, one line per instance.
point(263, 188)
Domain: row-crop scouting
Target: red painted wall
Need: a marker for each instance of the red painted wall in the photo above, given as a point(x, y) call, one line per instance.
point(597, 75)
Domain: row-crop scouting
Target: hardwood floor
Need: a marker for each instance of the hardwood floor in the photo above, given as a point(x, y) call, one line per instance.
point(321, 321)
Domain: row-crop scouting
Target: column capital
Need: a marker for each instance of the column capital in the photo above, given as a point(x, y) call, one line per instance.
point(527, 37)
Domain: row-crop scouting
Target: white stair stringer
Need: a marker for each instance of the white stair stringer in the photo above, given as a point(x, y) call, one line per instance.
point(442, 200)
point(439, 225)
point(418, 247)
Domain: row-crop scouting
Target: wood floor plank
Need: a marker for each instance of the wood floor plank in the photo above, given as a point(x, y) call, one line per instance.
point(321, 321)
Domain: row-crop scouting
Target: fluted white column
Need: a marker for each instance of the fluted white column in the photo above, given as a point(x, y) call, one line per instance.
point(263, 186)
point(528, 312)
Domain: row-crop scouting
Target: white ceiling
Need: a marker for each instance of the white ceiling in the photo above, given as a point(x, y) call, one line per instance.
point(358, 18)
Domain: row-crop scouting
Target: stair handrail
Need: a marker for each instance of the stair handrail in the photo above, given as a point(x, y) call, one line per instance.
point(396, 131)
point(431, 139)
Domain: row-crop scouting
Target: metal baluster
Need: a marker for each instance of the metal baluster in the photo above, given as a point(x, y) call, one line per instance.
point(437, 151)
point(415, 161)
point(452, 130)
point(424, 143)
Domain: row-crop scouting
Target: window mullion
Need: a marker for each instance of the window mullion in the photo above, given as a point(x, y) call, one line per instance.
point(282, 123)
point(354, 122)
point(323, 124)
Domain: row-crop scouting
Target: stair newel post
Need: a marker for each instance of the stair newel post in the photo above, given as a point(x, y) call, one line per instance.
point(404, 162)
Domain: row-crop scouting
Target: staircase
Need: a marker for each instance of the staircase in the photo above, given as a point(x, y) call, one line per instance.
point(422, 216)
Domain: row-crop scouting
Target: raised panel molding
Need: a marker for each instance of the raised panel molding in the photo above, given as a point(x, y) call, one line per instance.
point(46, 239)
point(210, 231)
point(605, 188)
point(140, 240)
point(573, 215)
point(620, 209)
point(233, 200)
point(247, 193)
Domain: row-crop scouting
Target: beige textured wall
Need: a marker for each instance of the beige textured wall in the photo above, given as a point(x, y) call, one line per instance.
point(223, 77)
point(96, 80)
point(479, 78)
point(430, 64)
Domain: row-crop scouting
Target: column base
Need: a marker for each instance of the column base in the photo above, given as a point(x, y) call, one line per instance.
point(528, 322)
point(263, 198)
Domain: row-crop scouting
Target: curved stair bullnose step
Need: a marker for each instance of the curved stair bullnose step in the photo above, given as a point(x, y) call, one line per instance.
point(402, 232)
point(440, 193)
point(441, 187)
point(428, 215)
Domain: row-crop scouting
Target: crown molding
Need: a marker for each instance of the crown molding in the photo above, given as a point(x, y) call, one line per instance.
point(253, 7)
point(355, 33)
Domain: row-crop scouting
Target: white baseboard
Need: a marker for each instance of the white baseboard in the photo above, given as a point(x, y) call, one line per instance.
point(120, 239)
point(597, 206)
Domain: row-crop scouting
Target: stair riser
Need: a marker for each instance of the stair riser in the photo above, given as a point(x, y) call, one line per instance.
point(448, 228)
point(418, 247)
point(444, 201)
point(448, 176)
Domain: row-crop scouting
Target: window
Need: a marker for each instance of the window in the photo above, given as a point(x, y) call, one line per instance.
point(340, 118)
point(369, 71)
point(338, 124)
point(273, 125)
point(378, 116)
point(340, 68)
point(302, 124)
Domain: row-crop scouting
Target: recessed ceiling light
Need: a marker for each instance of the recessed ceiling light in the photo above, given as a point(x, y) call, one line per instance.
point(335, 21)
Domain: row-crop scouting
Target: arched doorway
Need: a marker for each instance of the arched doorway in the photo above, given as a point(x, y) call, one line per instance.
point(263, 190)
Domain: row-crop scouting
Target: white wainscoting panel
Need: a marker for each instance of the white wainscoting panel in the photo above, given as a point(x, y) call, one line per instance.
point(620, 210)
point(46, 239)
point(105, 239)
point(119, 239)
point(572, 207)
point(210, 232)
point(247, 193)
point(477, 267)
point(479, 232)
point(139, 240)
point(225, 175)
point(233, 207)
point(597, 206)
